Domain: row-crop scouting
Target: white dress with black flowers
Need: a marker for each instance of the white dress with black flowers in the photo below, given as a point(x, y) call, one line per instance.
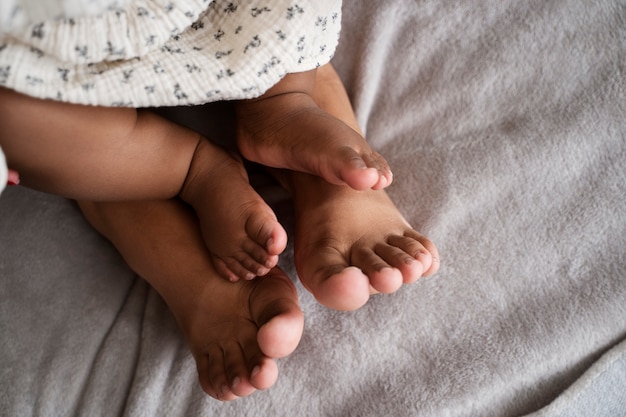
point(147, 53)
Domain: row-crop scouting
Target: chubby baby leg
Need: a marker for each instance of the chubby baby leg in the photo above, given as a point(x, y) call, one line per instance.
point(119, 154)
point(96, 153)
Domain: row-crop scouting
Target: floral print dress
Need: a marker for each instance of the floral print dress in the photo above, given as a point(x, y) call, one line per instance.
point(146, 53)
point(150, 53)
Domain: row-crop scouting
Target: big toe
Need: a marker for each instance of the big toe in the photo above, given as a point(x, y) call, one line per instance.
point(362, 171)
point(345, 290)
point(276, 311)
point(264, 229)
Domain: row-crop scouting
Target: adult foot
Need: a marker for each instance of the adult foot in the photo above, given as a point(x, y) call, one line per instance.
point(351, 244)
point(235, 331)
point(239, 228)
point(287, 129)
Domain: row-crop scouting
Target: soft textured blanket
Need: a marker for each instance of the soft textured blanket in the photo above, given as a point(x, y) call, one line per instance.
point(504, 123)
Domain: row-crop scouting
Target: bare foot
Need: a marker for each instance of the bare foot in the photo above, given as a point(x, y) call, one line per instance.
point(288, 130)
point(239, 228)
point(234, 331)
point(351, 244)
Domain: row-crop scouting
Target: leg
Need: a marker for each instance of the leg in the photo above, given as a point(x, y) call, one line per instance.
point(93, 152)
point(234, 331)
point(350, 244)
point(100, 153)
point(285, 128)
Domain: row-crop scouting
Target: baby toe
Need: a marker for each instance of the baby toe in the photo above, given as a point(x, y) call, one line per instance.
point(237, 267)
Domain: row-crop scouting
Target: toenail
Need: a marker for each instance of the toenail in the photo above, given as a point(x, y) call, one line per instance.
point(255, 371)
point(235, 382)
point(13, 178)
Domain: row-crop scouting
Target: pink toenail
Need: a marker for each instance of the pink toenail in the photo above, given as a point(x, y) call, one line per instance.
point(13, 178)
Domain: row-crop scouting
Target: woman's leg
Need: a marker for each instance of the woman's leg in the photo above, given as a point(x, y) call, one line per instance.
point(234, 330)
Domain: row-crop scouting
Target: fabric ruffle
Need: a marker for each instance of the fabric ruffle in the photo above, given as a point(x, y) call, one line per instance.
point(165, 53)
point(114, 34)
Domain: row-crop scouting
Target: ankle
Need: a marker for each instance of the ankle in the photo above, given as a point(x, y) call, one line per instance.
point(193, 189)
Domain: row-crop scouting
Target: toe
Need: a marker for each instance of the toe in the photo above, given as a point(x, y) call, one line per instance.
point(259, 260)
point(223, 270)
point(335, 283)
point(383, 277)
point(212, 374)
point(346, 290)
point(409, 267)
point(236, 266)
point(376, 161)
point(275, 310)
point(264, 374)
point(236, 371)
point(420, 248)
point(281, 335)
point(354, 171)
point(265, 230)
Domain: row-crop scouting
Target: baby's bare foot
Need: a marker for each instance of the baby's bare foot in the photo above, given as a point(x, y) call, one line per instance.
point(291, 131)
point(239, 228)
point(350, 244)
point(235, 331)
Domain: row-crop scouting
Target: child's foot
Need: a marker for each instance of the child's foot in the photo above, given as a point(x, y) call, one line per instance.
point(239, 228)
point(291, 131)
point(350, 244)
point(235, 331)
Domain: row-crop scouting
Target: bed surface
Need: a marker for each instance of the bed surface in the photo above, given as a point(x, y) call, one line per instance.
point(504, 123)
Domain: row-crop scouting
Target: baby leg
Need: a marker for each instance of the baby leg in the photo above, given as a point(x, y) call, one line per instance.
point(115, 154)
point(285, 128)
point(97, 153)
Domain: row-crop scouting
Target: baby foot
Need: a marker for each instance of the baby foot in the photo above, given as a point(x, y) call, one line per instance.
point(290, 131)
point(240, 230)
point(350, 244)
point(235, 331)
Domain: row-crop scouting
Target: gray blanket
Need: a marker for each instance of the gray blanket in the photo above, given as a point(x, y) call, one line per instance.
point(505, 125)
